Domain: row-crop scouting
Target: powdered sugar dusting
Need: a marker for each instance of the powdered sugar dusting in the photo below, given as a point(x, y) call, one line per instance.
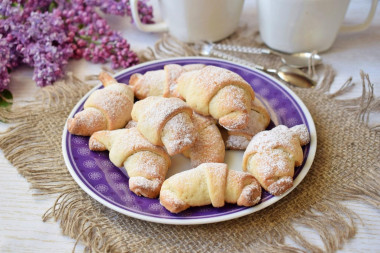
point(273, 164)
point(178, 133)
point(268, 140)
point(257, 123)
point(172, 71)
point(142, 182)
point(236, 98)
point(231, 106)
point(206, 83)
point(87, 122)
point(219, 170)
point(280, 186)
point(171, 202)
point(156, 110)
point(273, 156)
point(95, 145)
point(126, 142)
point(239, 139)
point(147, 164)
point(131, 124)
point(135, 140)
point(149, 84)
point(302, 133)
point(209, 146)
point(237, 142)
point(211, 75)
point(114, 105)
point(200, 122)
point(153, 115)
point(252, 193)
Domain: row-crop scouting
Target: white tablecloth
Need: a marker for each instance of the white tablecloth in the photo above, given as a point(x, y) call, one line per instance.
point(21, 227)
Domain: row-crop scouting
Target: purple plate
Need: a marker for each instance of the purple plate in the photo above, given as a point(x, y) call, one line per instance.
point(98, 177)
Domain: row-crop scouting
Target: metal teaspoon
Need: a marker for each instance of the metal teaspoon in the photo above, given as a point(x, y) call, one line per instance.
point(289, 74)
point(296, 60)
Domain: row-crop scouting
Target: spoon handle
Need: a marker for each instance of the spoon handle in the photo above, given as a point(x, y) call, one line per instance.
point(292, 77)
point(242, 49)
point(229, 57)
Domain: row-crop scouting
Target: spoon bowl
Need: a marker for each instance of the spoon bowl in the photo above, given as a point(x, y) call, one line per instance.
point(299, 60)
point(295, 77)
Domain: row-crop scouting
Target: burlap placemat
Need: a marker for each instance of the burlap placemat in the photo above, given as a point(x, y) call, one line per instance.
point(345, 168)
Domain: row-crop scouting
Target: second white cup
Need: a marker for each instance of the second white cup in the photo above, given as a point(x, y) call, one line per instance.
point(293, 26)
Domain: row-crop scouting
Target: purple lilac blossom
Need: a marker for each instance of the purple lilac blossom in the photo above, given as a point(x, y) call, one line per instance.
point(4, 58)
point(10, 18)
point(45, 46)
point(93, 39)
point(45, 34)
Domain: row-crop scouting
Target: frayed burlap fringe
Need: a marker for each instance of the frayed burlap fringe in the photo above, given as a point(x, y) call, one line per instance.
point(28, 143)
point(345, 168)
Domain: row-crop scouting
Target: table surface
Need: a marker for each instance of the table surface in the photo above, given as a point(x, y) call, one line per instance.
point(21, 227)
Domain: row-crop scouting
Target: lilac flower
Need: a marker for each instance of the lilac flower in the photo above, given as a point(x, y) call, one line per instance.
point(9, 17)
point(93, 38)
point(7, 10)
point(45, 34)
point(44, 45)
point(4, 58)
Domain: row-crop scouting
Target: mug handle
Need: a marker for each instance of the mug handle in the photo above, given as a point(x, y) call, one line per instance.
point(158, 27)
point(365, 24)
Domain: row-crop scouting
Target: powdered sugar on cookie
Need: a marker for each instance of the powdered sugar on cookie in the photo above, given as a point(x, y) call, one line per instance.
point(237, 142)
point(165, 121)
point(272, 155)
point(178, 133)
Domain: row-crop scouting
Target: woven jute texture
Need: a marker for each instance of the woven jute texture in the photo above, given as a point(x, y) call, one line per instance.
point(345, 168)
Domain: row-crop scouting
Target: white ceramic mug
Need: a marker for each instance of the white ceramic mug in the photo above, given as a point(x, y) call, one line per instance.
point(194, 20)
point(305, 25)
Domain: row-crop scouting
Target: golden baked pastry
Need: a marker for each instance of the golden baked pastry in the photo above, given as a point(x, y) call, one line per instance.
point(152, 83)
point(145, 163)
point(172, 72)
point(209, 183)
point(272, 155)
point(165, 122)
point(258, 121)
point(209, 145)
point(218, 92)
point(160, 82)
point(105, 109)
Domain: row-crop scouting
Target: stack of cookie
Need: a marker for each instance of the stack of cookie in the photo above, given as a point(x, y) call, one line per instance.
point(198, 111)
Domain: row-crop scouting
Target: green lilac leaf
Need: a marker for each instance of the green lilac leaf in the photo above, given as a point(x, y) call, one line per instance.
point(6, 98)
